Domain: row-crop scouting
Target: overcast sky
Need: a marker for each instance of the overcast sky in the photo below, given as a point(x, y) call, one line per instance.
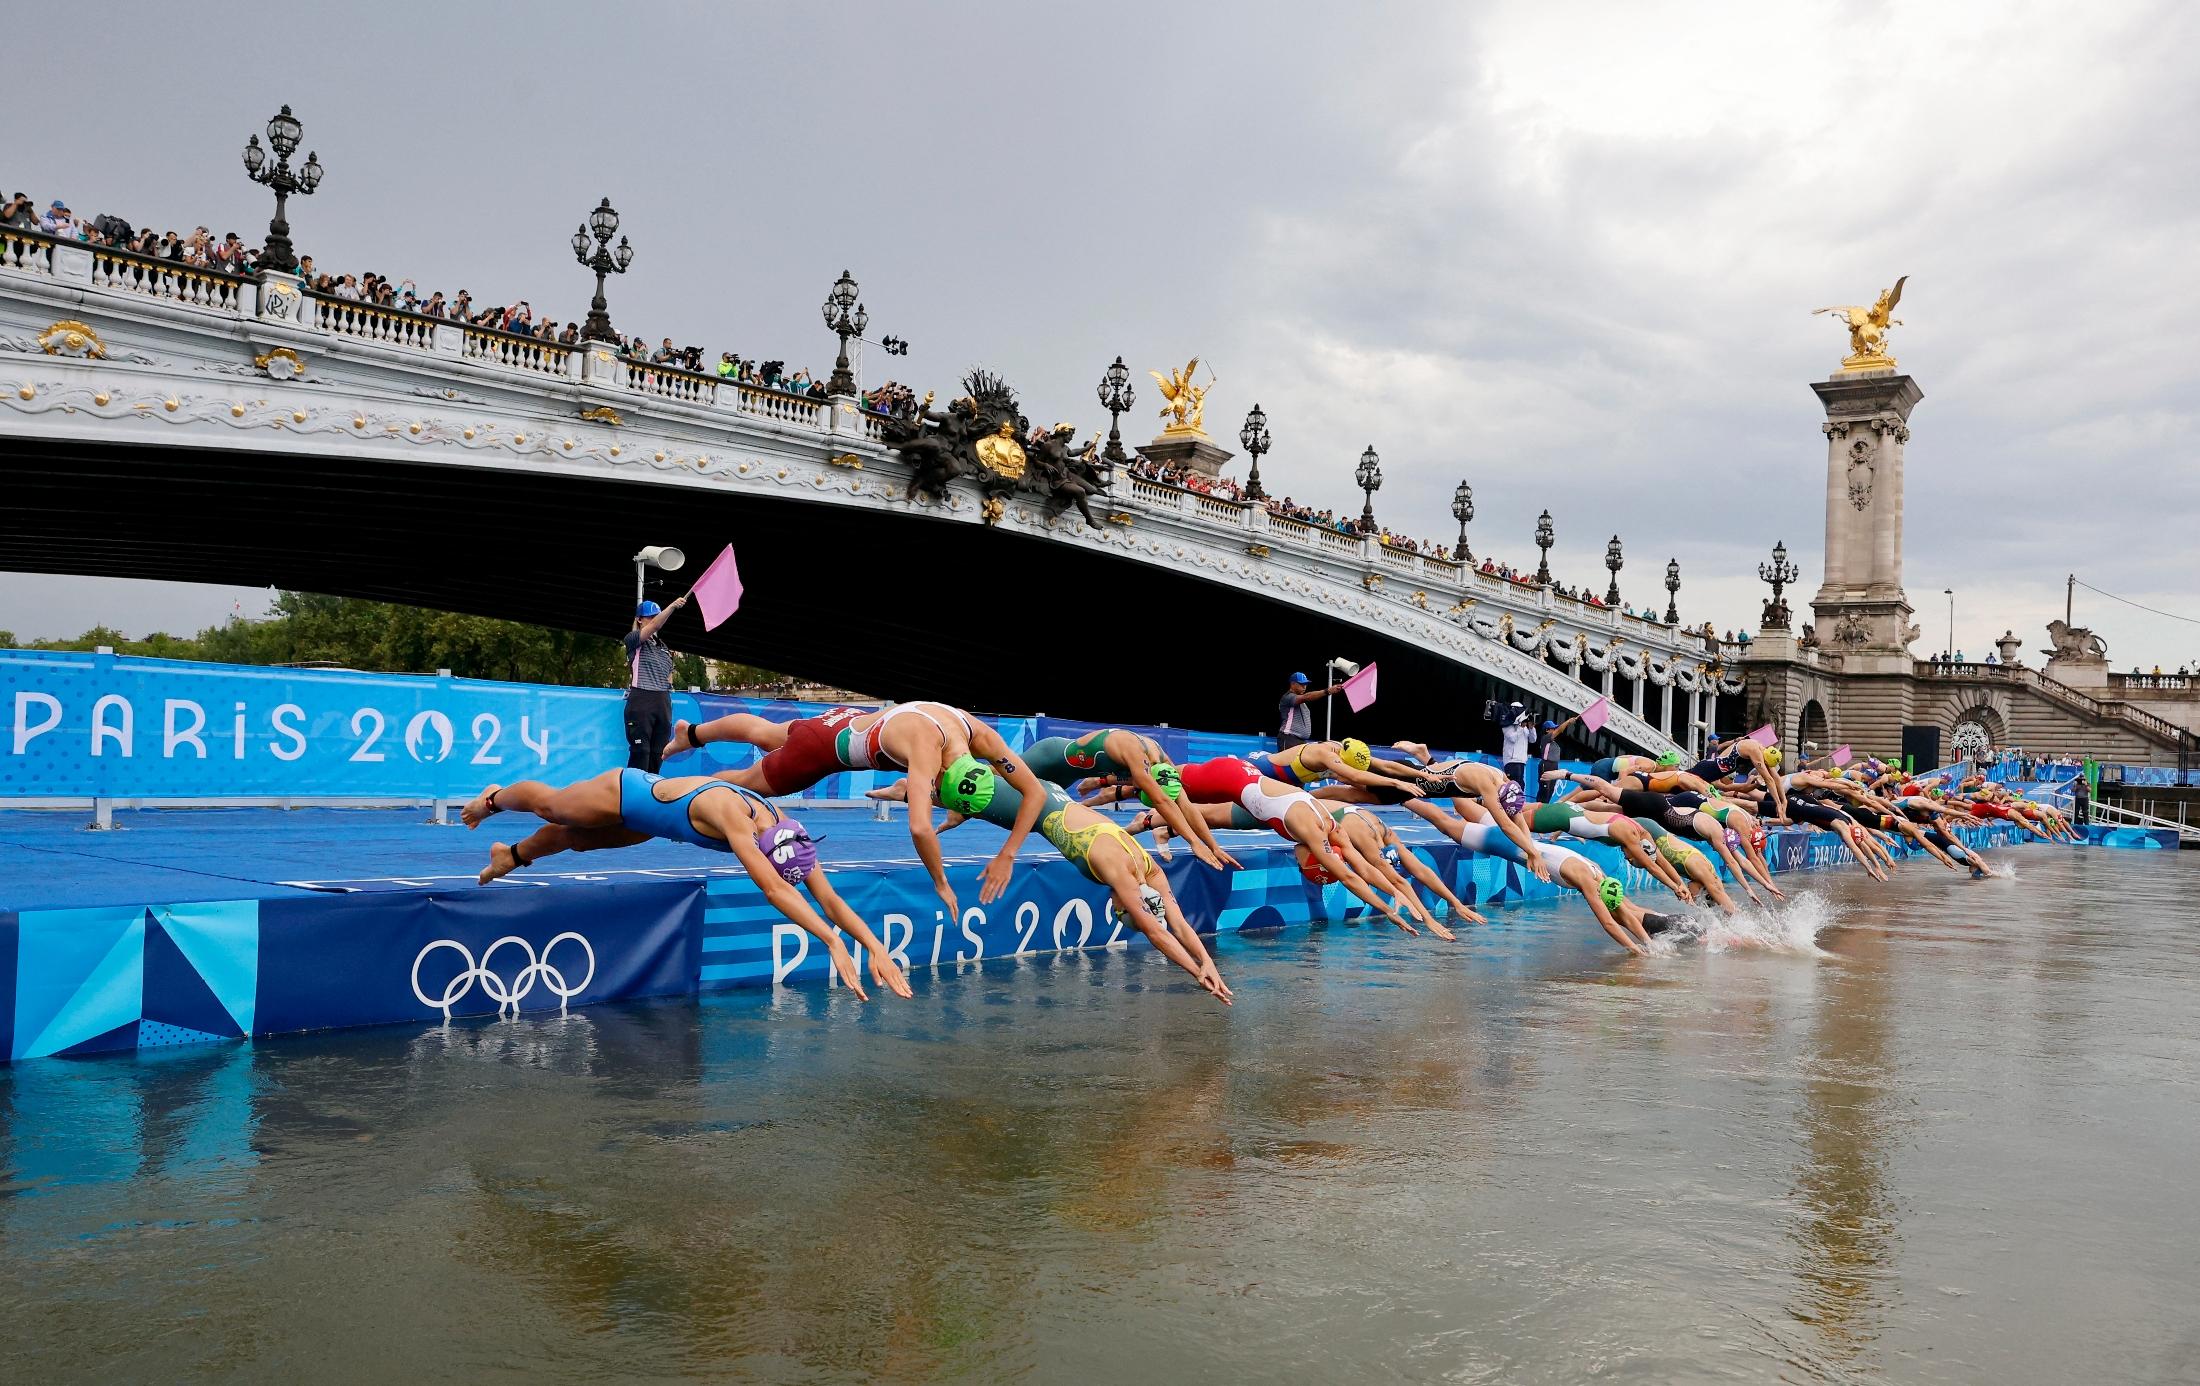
point(1566, 252)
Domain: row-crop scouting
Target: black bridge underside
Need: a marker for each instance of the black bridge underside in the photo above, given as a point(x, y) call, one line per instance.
point(891, 604)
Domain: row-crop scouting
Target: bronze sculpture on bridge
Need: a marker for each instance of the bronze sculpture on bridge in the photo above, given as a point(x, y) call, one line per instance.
point(985, 436)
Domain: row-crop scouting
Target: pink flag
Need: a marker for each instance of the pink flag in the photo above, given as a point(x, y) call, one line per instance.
point(718, 590)
point(1595, 714)
point(1359, 690)
point(1765, 736)
point(1842, 756)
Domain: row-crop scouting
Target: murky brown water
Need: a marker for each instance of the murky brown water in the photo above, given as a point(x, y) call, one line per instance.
point(1959, 1145)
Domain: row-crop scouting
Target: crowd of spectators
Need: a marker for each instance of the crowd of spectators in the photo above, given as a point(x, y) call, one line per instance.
point(1184, 478)
point(230, 254)
point(891, 398)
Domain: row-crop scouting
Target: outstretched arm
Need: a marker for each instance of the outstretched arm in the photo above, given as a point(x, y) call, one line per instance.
point(1520, 836)
point(1010, 766)
point(789, 902)
point(884, 971)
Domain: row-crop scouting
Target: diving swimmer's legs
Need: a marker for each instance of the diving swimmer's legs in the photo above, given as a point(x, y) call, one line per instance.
point(747, 727)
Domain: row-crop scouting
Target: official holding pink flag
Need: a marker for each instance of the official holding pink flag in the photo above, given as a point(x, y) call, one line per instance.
point(649, 686)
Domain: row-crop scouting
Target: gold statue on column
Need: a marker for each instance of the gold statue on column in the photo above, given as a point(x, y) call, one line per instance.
point(1186, 401)
point(1868, 329)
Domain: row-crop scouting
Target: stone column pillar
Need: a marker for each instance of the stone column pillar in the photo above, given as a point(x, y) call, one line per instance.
point(1863, 615)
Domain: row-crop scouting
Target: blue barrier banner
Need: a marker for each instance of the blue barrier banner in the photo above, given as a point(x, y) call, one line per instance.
point(372, 959)
point(78, 725)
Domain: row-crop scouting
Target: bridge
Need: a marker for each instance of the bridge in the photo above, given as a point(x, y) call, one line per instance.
point(165, 422)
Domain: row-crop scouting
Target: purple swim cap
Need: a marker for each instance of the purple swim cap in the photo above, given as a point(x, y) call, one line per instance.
point(792, 851)
point(1734, 839)
point(1510, 796)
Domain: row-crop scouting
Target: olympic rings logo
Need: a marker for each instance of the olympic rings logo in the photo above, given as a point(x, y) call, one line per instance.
point(506, 995)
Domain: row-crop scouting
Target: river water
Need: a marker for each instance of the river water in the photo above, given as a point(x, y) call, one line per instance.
point(1952, 1139)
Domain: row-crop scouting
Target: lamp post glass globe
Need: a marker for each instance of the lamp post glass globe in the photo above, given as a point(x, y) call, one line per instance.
point(283, 132)
point(1254, 438)
point(604, 221)
point(254, 157)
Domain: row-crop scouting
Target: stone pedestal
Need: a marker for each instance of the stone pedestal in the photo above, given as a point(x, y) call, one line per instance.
point(1195, 452)
point(1863, 613)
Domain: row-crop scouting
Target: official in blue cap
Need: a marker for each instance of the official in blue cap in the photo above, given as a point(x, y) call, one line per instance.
point(649, 686)
point(1294, 722)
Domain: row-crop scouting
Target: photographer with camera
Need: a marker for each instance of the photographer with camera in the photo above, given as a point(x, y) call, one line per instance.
point(1515, 733)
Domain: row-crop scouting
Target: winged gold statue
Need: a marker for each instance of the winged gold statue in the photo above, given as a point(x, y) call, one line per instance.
point(1186, 401)
point(1868, 329)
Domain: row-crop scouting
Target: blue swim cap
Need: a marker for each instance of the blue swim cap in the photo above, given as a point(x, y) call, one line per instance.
point(647, 610)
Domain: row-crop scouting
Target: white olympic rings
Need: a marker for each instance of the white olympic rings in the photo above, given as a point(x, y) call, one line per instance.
point(507, 996)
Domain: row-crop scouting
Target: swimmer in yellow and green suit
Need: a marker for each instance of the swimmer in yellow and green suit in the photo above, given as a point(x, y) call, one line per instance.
point(1112, 758)
point(1088, 840)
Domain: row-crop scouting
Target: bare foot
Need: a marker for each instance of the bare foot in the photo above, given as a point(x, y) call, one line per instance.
point(481, 808)
point(683, 739)
point(503, 861)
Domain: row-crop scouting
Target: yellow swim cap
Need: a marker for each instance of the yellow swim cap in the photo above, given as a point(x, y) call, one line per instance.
point(1356, 753)
point(1772, 758)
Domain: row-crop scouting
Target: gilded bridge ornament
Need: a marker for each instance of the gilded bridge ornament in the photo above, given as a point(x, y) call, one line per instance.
point(1868, 329)
point(1186, 402)
point(1001, 453)
point(603, 413)
point(69, 337)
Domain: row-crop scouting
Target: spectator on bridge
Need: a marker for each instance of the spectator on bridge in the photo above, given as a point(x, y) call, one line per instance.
point(665, 355)
point(1990, 659)
point(649, 687)
point(56, 220)
point(1296, 720)
point(19, 213)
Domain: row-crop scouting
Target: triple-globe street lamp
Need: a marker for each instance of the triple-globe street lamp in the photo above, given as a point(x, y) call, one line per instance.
point(1117, 397)
point(1370, 476)
point(1462, 510)
point(845, 317)
point(1254, 439)
point(282, 136)
point(604, 259)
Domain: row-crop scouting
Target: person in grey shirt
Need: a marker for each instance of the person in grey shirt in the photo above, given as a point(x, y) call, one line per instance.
point(1295, 721)
point(649, 687)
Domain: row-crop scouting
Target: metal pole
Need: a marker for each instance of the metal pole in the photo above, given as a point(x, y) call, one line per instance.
point(1329, 702)
point(2070, 597)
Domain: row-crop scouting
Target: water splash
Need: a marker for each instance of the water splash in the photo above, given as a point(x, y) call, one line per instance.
point(1791, 927)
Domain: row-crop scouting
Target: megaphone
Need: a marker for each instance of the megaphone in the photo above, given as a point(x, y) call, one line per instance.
point(1346, 665)
point(662, 556)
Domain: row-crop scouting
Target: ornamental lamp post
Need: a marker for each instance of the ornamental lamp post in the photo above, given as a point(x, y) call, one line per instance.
point(1779, 572)
point(1614, 561)
point(1370, 476)
point(1254, 439)
point(845, 317)
point(1544, 538)
point(1117, 397)
point(602, 225)
point(282, 137)
point(1462, 510)
point(1673, 591)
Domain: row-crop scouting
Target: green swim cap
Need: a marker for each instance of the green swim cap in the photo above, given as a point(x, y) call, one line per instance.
point(966, 787)
point(1611, 892)
point(1669, 760)
point(1165, 775)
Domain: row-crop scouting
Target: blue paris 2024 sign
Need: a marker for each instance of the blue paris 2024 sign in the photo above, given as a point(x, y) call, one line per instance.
point(82, 725)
